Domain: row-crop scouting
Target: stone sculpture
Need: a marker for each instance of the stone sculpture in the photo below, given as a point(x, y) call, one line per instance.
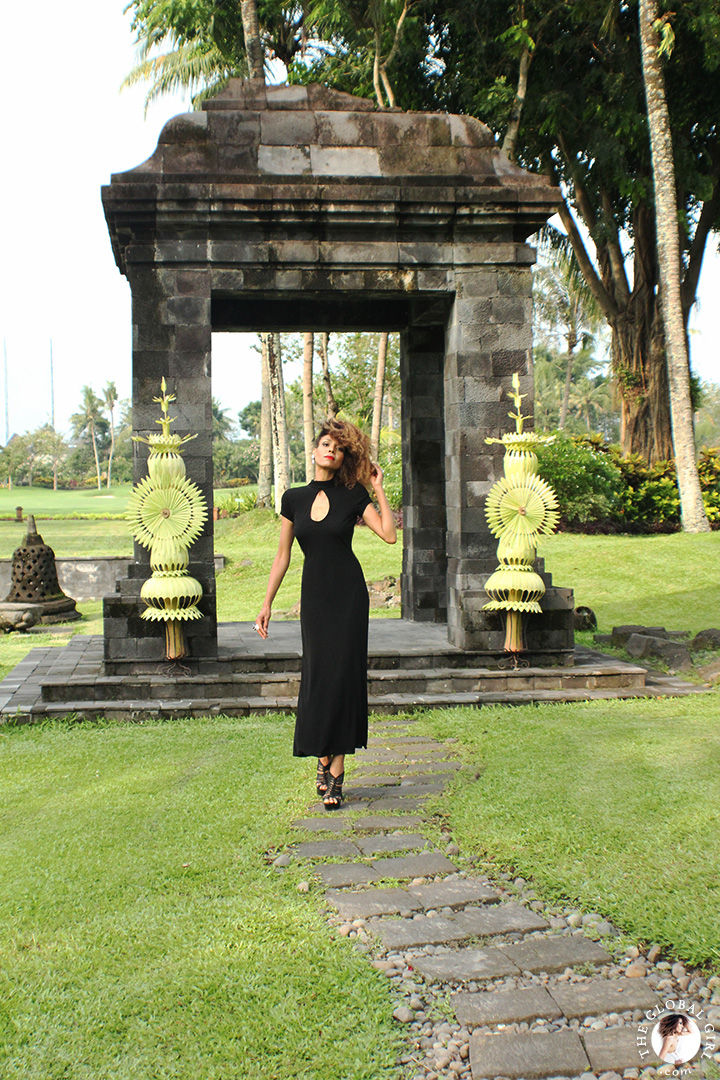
point(34, 585)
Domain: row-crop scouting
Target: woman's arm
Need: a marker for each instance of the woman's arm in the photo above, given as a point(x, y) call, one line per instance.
point(383, 523)
point(277, 573)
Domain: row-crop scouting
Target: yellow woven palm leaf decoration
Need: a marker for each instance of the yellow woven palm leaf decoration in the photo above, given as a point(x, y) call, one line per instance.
point(519, 508)
point(167, 512)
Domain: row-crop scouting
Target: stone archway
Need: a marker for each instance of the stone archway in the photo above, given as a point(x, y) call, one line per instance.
point(297, 208)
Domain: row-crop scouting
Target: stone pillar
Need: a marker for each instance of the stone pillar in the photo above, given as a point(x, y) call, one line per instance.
point(171, 338)
point(488, 338)
point(424, 561)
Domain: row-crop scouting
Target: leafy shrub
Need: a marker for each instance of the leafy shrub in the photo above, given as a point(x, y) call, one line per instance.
point(599, 487)
point(236, 504)
point(587, 483)
point(392, 477)
point(233, 482)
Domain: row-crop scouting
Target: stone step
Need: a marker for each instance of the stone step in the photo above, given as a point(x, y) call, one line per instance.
point(31, 705)
point(596, 997)
point(535, 1055)
point(453, 893)
point(471, 922)
point(383, 685)
point(535, 955)
point(339, 875)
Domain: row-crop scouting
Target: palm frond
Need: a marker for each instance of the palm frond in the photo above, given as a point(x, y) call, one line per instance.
point(194, 67)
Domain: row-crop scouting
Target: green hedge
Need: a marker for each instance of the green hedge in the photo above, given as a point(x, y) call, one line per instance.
point(600, 490)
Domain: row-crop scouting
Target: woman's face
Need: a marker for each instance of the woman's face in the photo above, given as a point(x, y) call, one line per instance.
point(329, 454)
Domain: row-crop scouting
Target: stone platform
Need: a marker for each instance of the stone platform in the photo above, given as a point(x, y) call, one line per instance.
point(411, 665)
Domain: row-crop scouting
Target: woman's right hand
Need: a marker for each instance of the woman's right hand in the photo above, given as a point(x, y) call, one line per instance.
point(262, 621)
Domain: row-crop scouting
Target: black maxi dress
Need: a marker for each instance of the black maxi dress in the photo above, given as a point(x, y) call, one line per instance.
point(332, 714)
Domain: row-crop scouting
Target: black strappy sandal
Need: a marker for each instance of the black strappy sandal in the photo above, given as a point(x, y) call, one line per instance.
point(321, 780)
point(334, 792)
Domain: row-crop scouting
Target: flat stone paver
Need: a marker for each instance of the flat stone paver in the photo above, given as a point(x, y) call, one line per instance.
point(506, 918)
point(363, 781)
point(340, 874)
point(318, 824)
point(409, 768)
point(406, 933)
point(367, 793)
point(615, 1049)
point(527, 1055)
point(412, 866)
point(555, 953)
point(369, 902)
point(323, 849)
point(453, 893)
point(412, 754)
point(465, 965)
point(504, 1006)
point(390, 804)
point(603, 996)
point(377, 844)
point(426, 779)
point(369, 822)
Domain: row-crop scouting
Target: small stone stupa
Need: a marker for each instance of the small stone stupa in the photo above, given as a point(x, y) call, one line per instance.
point(34, 583)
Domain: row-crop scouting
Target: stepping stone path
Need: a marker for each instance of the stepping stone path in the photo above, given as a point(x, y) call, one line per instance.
point(532, 996)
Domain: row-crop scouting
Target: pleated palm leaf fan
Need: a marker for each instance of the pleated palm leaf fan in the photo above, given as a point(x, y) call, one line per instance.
point(521, 508)
point(167, 512)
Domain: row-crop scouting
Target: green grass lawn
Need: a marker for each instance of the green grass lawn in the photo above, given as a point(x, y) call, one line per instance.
point(45, 502)
point(611, 805)
point(665, 580)
point(143, 931)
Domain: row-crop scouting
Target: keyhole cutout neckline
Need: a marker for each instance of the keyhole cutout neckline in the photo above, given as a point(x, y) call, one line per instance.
point(320, 507)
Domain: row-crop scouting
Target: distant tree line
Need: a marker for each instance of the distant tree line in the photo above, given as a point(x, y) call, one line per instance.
point(97, 452)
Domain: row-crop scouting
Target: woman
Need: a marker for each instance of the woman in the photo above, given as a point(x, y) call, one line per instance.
point(673, 1029)
point(332, 714)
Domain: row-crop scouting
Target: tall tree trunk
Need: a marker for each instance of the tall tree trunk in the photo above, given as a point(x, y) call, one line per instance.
point(308, 418)
point(511, 134)
point(692, 510)
point(281, 470)
point(95, 452)
point(378, 400)
point(332, 405)
point(265, 465)
point(253, 44)
point(569, 357)
point(112, 446)
point(376, 71)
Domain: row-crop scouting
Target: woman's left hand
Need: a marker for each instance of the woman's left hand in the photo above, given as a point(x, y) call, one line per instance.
point(376, 477)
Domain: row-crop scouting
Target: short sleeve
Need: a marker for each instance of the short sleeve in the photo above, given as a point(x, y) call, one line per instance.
point(363, 500)
point(287, 509)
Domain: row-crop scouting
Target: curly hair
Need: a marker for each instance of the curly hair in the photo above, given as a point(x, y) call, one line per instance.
point(668, 1024)
point(356, 466)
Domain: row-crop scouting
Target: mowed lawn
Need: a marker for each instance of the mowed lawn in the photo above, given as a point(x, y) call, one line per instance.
point(143, 929)
point(613, 806)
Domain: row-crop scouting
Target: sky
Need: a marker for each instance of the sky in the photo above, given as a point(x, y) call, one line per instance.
point(67, 128)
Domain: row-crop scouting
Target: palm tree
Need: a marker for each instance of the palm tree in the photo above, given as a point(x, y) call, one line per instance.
point(110, 400)
point(565, 306)
point(379, 394)
point(371, 28)
point(656, 37)
point(307, 396)
point(85, 422)
point(281, 460)
point(222, 425)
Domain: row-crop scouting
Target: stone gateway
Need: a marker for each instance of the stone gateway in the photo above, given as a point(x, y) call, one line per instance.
point(302, 208)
